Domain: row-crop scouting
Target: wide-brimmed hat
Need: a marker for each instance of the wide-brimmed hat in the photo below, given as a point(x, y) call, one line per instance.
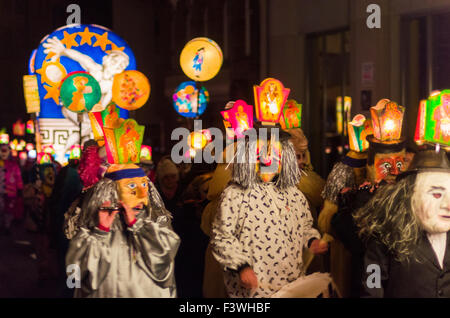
point(428, 161)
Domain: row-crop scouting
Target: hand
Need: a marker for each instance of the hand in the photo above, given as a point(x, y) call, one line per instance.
point(53, 45)
point(318, 247)
point(130, 214)
point(248, 278)
point(105, 217)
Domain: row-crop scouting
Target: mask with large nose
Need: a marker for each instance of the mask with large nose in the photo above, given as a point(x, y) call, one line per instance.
point(132, 184)
point(268, 164)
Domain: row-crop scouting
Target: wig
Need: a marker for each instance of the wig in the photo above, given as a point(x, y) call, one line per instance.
point(389, 218)
point(244, 166)
point(106, 190)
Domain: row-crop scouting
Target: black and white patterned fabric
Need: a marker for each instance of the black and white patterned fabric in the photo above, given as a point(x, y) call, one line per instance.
point(266, 228)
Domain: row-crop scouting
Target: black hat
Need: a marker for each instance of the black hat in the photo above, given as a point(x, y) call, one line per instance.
point(283, 135)
point(377, 146)
point(428, 161)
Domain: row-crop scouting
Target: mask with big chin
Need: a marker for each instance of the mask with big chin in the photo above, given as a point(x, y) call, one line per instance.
point(268, 161)
point(431, 201)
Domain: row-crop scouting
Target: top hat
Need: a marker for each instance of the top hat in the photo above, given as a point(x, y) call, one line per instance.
point(428, 161)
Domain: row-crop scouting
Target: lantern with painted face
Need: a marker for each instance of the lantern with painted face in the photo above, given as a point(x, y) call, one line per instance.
point(132, 184)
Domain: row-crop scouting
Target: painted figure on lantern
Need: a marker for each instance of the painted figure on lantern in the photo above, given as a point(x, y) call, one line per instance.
point(442, 118)
point(78, 102)
point(113, 63)
point(127, 142)
point(198, 61)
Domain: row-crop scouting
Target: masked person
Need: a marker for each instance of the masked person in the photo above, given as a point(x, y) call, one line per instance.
point(263, 221)
point(385, 161)
point(406, 228)
point(11, 187)
point(124, 245)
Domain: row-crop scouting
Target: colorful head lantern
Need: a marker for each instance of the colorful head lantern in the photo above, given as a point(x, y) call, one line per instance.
point(270, 97)
point(123, 144)
point(146, 154)
point(4, 137)
point(433, 120)
point(19, 128)
point(358, 130)
point(239, 118)
point(75, 152)
point(387, 148)
point(292, 115)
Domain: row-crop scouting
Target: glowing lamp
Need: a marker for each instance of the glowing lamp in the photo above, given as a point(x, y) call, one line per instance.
point(146, 153)
point(32, 154)
point(130, 90)
point(358, 130)
point(80, 92)
point(433, 120)
point(21, 145)
point(19, 128)
point(23, 155)
point(239, 118)
point(4, 138)
point(29, 146)
point(13, 144)
point(31, 93)
point(190, 100)
point(123, 144)
point(43, 158)
point(342, 119)
point(292, 115)
point(30, 127)
point(197, 140)
point(201, 59)
point(387, 119)
point(48, 149)
point(270, 97)
point(75, 152)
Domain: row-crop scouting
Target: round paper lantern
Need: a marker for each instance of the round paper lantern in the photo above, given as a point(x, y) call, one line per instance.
point(201, 59)
point(80, 92)
point(189, 100)
point(131, 89)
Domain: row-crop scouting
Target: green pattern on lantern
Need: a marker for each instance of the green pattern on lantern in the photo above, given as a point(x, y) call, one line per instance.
point(437, 118)
point(80, 92)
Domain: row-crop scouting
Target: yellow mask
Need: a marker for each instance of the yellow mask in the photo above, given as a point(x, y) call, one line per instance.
point(133, 191)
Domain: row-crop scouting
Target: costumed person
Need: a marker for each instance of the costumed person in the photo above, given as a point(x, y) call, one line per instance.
point(385, 162)
point(263, 221)
point(125, 246)
point(146, 162)
point(37, 199)
point(406, 228)
point(167, 183)
point(11, 187)
point(346, 175)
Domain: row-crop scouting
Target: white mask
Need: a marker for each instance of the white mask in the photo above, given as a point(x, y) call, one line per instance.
point(431, 201)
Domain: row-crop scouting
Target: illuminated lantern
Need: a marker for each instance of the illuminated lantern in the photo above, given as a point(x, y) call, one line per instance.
point(32, 154)
point(4, 137)
point(358, 130)
point(23, 155)
point(31, 93)
point(239, 117)
point(30, 127)
point(433, 122)
point(19, 128)
point(197, 140)
point(48, 149)
point(291, 116)
point(29, 146)
point(80, 92)
point(14, 153)
point(387, 118)
point(43, 158)
point(75, 152)
point(131, 90)
point(270, 97)
point(21, 145)
point(201, 59)
point(123, 144)
point(146, 153)
point(340, 119)
point(189, 100)
point(13, 144)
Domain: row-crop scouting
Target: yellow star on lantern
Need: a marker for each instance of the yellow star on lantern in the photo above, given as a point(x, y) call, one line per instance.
point(52, 92)
point(102, 40)
point(115, 48)
point(69, 40)
point(86, 36)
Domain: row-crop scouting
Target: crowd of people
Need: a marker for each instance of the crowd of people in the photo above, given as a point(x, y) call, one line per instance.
point(221, 230)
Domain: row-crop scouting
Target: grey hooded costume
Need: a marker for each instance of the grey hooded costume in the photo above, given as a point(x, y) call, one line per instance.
point(136, 261)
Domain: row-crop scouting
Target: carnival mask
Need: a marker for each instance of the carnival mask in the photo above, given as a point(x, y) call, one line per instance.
point(4, 152)
point(132, 184)
point(431, 201)
point(49, 176)
point(268, 160)
point(387, 166)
